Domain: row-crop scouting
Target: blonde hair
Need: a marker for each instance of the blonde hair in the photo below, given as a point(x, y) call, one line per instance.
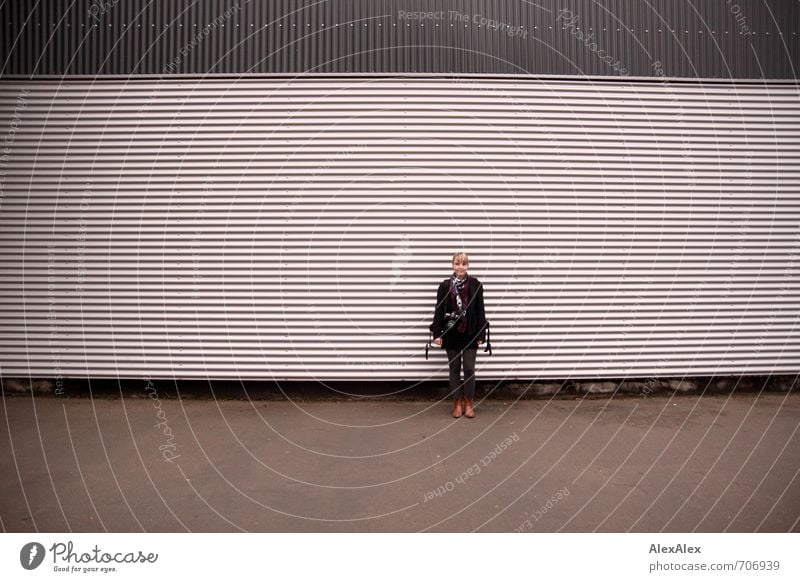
point(462, 256)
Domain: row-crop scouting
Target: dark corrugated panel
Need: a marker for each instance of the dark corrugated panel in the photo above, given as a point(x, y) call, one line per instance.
point(699, 38)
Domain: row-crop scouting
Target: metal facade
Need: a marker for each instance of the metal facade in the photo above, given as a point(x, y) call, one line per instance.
point(674, 38)
point(277, 228)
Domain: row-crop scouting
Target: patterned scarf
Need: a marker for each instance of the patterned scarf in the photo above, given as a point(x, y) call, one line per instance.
point(459, 290)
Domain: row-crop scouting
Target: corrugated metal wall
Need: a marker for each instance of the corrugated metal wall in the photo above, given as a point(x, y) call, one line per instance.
point(672, 38)
point(277, 228)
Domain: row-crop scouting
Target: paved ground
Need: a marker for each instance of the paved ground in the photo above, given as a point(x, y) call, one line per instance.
point(685, 463)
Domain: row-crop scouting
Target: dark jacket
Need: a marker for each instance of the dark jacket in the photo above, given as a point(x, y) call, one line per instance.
point(476, 312)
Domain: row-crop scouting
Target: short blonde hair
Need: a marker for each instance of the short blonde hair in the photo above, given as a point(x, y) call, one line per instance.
point(462, 256)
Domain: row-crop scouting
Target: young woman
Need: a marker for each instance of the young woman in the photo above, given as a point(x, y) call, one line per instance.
point(459, 324)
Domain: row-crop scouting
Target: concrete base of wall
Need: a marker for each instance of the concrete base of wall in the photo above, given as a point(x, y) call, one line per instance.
point(34, 385)
point(353, 390)
point(648, 386)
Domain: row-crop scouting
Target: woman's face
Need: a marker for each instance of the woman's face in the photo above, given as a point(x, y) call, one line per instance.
point(460, 268)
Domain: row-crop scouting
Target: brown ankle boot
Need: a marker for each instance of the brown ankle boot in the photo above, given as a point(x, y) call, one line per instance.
point(468, 410)
point(457, 408)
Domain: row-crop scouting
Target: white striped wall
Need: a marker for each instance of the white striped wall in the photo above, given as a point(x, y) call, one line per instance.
point(297, 229)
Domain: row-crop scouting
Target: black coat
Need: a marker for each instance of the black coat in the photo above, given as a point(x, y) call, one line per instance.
point(476, 312)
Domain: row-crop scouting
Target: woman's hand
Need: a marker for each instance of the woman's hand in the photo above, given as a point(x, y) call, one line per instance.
point(480, 343)
point(438, 341)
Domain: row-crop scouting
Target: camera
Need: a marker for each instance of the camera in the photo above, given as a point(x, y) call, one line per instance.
point(452, 317)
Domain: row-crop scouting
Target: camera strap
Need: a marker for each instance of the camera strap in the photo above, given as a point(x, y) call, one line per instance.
point(428, 345)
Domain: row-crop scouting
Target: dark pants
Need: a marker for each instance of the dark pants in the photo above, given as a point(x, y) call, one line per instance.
point(455, 358)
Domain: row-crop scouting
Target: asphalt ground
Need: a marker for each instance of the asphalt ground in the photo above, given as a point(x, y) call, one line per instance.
point(671, 463)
